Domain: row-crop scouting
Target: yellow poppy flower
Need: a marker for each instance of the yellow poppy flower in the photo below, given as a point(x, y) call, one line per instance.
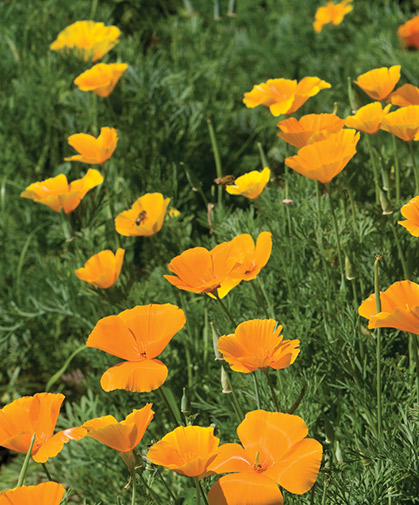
point(405, 95)
point(250, 185)
point(380, 82)
point(101, 78)
point(102, 270)
point(94, 151)
point(331, 13)
point(368, 119)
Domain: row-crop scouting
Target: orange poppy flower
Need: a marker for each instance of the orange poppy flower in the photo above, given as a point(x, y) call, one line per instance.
point(399, 308)
point(275, 451)
point(405, 95)
point(250, 185)
point(257, 344)
point(331, 13)
point(202, 271)
point(411, 212)
point(284, 96)
point(37, 414)
point(87, 39)
point(101, 78)
point(409, 32)
point(122, 436)
point(94, 151)
point(102, 270)
point(250, 260)
point(49, 493)
point(56, 193)
point(368, 118)
point(298, 133)
point(380, 82)
point(137, 336)
point(323, 160)
point(186, 450)
point(145, 218)
point(403, 123)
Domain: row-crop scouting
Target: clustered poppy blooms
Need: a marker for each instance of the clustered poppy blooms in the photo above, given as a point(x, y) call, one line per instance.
point(93, 150)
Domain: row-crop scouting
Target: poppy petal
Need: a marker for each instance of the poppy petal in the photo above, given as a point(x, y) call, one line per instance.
point(50, 493)
point(231, 458)
point(138, 376)
point(55, 444)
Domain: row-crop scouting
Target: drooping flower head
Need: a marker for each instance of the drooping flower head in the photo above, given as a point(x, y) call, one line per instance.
point(94, 151)
point(331, 13)
point(137, 336)
point(257, 344)
point(123, 436)
point(284, 96)
point(405, 95)
point(380, 82)
point(102, 270)
point(250, 185)
point(324, 159)
point(368, 119)
point(87, 40)
point(299, 133)
point(101, 78)
point(145, 218)
point(48, 493)
point(403, 123)
point(37, 414)
point(399, 308)
point(56, 193)
point(274, 451)
point(409, 32)
point(186, 450)
point(411, 212)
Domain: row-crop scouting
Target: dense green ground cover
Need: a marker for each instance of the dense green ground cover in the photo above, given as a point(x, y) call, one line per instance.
point(183, 71)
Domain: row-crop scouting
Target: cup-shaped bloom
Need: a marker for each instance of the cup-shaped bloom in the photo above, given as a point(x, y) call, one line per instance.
point(403, 123)
point(368, 119)
point(284, 96)
point(48, 493)
point(250, 260)
point(274, 451)
point(411, 212)
point(94, 151)
point(409, 32)
point(88, 40)
point(299, 132)
point(250, 185)
point(323, 160)
point(102, 270)
point(399, 308)
point(37, 414)
point(137, 336)
point(380, 82)
point(257, 344)
point(405, 95)
point(144, 218)
point(331, 13)
point(186, 450)
point(202, 271)
point(101, 78)
point(122, 436)
point(56, 193)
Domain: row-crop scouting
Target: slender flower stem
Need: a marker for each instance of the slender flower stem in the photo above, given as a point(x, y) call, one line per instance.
point(335, 223)
point(225, 309)
point(93, 9)
point(375, 170)
point(25, 463)
point(147, 486)
point(415, 168)
point(263, 159)
point(237, 404)
point(271, 387)
point(414, 340)
point(217, 160)
point(133, 489)
point(397, 167)
point(400, 251)
point(297, 401)
point(260, 300)
point(169, 407)
point(378, 333)
point(198, 491)
point(44, 467)
point(165, 485)
point(203, 492)
point(231, 13)
point(256, 384)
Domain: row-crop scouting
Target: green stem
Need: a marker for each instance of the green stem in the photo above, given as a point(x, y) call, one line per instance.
point(216, 158)
point(237, 404)
point(225, 309)
point(297, 401)
point(203, 493)
point(44, 467)
point(93, 9)
point(198, 491)
point(165, 485)
point(263, 159)
point(147, 486)
point(271, 387)
point(217, 16)
point(400, 251)
point(378, 333)
point(335, 223)
point(65, 225)
point(260, 300)
point(231, 13)
point(169, 408)
point(414, 339)
point(133, 489)
point(375, 171)
point(415, 168)
point(256, 385)
point(397, 174)
point(25, 463)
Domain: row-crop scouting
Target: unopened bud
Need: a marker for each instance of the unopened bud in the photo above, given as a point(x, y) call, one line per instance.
point(385, 203)
point(185, 404)
point(225, 382)
point(350, 272)
point(215, 338)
